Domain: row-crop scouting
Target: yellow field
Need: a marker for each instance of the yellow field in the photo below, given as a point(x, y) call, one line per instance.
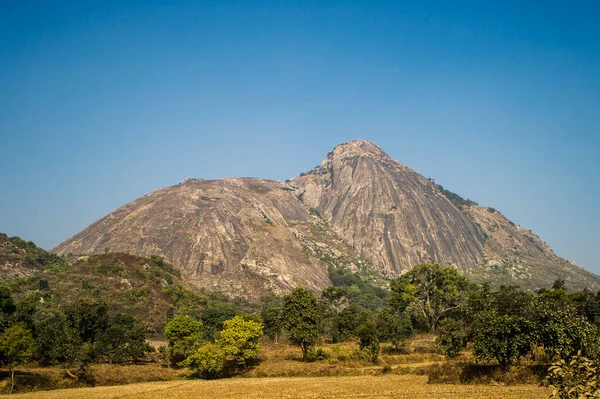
point(386, 386)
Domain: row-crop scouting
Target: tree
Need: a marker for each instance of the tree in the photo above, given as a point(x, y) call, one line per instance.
point(393, 327)
point(17, 346)
point(183, 333)
point(561, 332)
point(367, 334)
point(431, 289)
point(239, 339)
point(124, 339)
point(272, 317)
point(207, 361)
point(453, 337)
point(502, 338)
point(7, 307)
point(302, 315)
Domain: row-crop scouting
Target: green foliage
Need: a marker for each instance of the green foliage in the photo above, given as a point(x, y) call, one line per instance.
point(272, 316)
point(239, 339)
point(124, 339)
point(499, 337)
point(574, 379)
point(393, 327)
point(434, 291)
point(302, 316)
point(184, 334)
point(456, 199)
point(16, 346)
point(215, 315)
point(561, 332)
point(453, 337)
point(368, 341)
point(206, 362)
point(358, 290)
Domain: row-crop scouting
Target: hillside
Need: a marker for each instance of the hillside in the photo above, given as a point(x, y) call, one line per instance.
point(358, 209)
point(148, 288)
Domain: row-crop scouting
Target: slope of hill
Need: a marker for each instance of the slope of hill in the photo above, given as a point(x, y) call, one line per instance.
point(359, 209)
point(148, 288)
point(20, 258)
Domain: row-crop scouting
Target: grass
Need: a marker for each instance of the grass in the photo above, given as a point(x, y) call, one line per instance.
point(386, 386)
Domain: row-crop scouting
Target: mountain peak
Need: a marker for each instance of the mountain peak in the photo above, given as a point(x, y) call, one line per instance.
point(358, 148)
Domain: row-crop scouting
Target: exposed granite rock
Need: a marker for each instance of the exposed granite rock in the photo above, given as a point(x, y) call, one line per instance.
point(232, 235)
point(359, 209)
point(394, 216)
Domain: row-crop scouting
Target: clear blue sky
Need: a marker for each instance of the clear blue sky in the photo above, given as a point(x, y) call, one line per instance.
point(102, 102)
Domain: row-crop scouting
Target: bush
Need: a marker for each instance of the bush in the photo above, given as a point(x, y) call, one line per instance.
point(452, 338)
point(578, 378)
point(206, 362)
point(239, 339)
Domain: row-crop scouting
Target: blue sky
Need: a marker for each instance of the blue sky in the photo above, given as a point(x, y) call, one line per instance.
point(102, 102)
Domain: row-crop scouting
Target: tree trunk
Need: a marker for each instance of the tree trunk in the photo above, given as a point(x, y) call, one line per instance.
point(12, 379)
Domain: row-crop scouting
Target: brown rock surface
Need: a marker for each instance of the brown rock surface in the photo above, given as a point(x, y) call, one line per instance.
point(394, 216)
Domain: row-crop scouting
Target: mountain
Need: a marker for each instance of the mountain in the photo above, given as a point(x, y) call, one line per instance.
point(359, 209)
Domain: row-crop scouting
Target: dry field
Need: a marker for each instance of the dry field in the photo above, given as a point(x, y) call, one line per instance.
point(386, 386)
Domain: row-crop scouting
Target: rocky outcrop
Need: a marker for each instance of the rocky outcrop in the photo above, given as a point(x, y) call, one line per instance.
point(359, 209)
point(232, 235)
point(394, 216)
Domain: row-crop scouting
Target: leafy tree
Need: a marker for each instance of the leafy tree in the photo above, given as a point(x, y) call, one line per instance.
point(368, 341)
point(88, 319)
point(345, 323)
point(561, 332)
point(239, 339)
point(124, 339)
point(207, 361)
point(272, 317)
point(453, 337)
point(302, 315)
point(393, 327)
point(502, 338)
point(17, 346)
point(183, 333)
point(215, 315)
point(434, 291)
point(7, 307)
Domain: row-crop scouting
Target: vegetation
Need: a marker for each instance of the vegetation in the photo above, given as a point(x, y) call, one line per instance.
point(456, 199)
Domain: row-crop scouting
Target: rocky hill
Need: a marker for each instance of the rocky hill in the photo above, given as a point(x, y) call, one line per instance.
point(359, 209)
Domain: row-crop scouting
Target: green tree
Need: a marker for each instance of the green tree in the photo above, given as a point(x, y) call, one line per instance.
point(124, 339)
point(453, 337)
point(393, 327)
point(272, 317)
point(207, 361)
point(17, 346)
point(502, 338)
point(302, 316)
point(561, 332)
point(184, 334)
point(434, 291)
point(7, 307)
point(368, 341)
point(239, 339)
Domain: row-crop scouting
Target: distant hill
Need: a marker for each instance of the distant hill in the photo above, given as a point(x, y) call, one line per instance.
point(359, 209)
point(148, 288)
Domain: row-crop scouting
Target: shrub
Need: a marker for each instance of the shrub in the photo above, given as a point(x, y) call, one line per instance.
point(206, 362)
point(578, 378)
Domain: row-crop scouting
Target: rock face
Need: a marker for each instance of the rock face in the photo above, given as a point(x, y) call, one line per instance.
point(394, 216)
point(232, 235)
point(359, 209)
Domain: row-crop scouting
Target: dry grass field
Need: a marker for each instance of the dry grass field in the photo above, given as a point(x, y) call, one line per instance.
point(385, 386)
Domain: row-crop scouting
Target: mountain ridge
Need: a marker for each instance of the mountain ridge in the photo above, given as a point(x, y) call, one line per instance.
point(249, 235)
